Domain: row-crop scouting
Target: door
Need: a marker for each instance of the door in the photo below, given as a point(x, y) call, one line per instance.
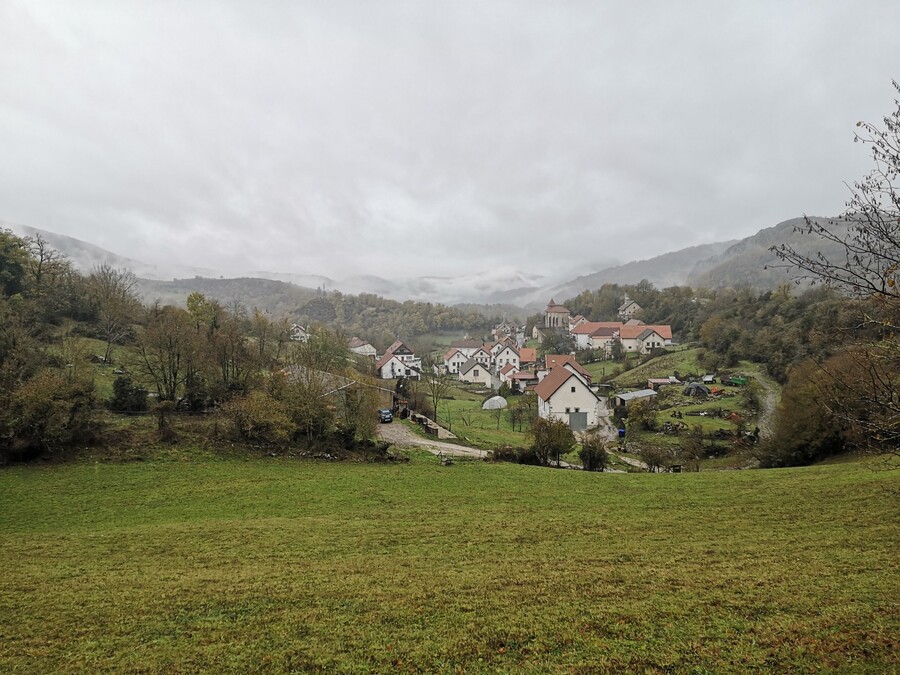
point(578, 421)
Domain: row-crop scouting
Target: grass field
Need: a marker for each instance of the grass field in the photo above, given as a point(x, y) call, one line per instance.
point(273, 565)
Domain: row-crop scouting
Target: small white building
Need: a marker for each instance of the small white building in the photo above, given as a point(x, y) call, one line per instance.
point(642, 339)
point(506, 372)
point(299, 333)
point(563, 395)
point(398, 361)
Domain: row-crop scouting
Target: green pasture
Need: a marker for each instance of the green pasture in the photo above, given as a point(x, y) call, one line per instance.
point(277, 565)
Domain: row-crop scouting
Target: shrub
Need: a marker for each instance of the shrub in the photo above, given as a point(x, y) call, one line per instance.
point(593, 454)
point(258, 417)
point(127, 396)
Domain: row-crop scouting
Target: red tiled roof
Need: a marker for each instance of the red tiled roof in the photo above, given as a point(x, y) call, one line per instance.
point(523, 375)
point(449, 354)
point(557, 377)
point(505, 369)
point(631, 332)
point(528, 355)
point(552, 360)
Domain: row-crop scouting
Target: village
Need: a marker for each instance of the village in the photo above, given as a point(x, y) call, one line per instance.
point(561, 387)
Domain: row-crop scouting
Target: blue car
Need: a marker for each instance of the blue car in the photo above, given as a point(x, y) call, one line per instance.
point(385, 415)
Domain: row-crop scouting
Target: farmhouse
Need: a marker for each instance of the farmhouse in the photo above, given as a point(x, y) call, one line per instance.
point(564, 395)
point(506, 372)
point(468, 346)
point(522, 380)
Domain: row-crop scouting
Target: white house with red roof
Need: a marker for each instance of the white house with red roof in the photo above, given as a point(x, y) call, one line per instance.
point(643, 338)
point(398, 361)
point(453, 359)
point(564, 395)
point(506, 372)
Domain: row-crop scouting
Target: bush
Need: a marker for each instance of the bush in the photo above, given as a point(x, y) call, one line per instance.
point(127, 396)
point(258, 417)
point(551, 438)
point(515, 455)
point(593, 454)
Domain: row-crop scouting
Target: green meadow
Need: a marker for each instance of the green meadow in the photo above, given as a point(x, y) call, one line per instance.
point(278, 565)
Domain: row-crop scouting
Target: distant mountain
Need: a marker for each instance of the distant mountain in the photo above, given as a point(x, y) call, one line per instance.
point(716, 265)
point(745, 262)
point(669, 269)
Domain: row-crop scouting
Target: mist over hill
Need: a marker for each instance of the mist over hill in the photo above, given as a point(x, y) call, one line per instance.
point(745, 262)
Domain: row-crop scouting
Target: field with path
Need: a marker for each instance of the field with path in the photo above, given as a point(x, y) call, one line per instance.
point(274, 565)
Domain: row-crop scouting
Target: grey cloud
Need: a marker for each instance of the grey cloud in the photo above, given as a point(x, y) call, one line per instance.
point(404, 138)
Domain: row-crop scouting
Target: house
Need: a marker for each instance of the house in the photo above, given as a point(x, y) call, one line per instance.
point(521, 380)
point(594, 334)
point(527, 356)
point(506, 372)
point(563, 395)
point(467, 346)
point(576, 321)
point(628, 397)
point(644, 338)
point(507, 355)
point(504, 329)
point(362, 348)
point(398, 361)
point(453, 359)
point(299, 333)
point(391, 366)
point(482, 356)
point(628, 309)
point(474, 372)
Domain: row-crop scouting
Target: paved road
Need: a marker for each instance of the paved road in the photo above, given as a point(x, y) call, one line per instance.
point(400, 435)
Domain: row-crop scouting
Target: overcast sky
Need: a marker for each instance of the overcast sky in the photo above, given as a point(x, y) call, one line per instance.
point(406, 138)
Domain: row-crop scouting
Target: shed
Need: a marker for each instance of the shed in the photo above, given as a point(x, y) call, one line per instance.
point(696, 389)
point(629, 396)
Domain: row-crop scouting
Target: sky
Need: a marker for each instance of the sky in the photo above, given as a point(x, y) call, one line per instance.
point(442, 138)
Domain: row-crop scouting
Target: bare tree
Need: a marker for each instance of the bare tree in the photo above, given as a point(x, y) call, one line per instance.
point(437, 387)
point(113, 292)
point(868, 236)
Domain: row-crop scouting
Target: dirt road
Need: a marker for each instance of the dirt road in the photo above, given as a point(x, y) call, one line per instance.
point(400, 435)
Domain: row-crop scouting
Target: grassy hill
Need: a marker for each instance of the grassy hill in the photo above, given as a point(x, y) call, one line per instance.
point(231, 565)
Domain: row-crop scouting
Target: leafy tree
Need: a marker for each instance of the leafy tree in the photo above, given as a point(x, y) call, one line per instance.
point(127, 396)
point(557, 342)
point(594, 453)
point(13, 263)
point(551, 438)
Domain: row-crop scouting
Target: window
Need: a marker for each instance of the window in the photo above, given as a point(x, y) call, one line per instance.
point(475, 372)
point(567, 410)
point(573, 390)
point(577, 409)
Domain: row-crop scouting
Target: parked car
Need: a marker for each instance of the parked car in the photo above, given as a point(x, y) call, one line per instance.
point(385, 415)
